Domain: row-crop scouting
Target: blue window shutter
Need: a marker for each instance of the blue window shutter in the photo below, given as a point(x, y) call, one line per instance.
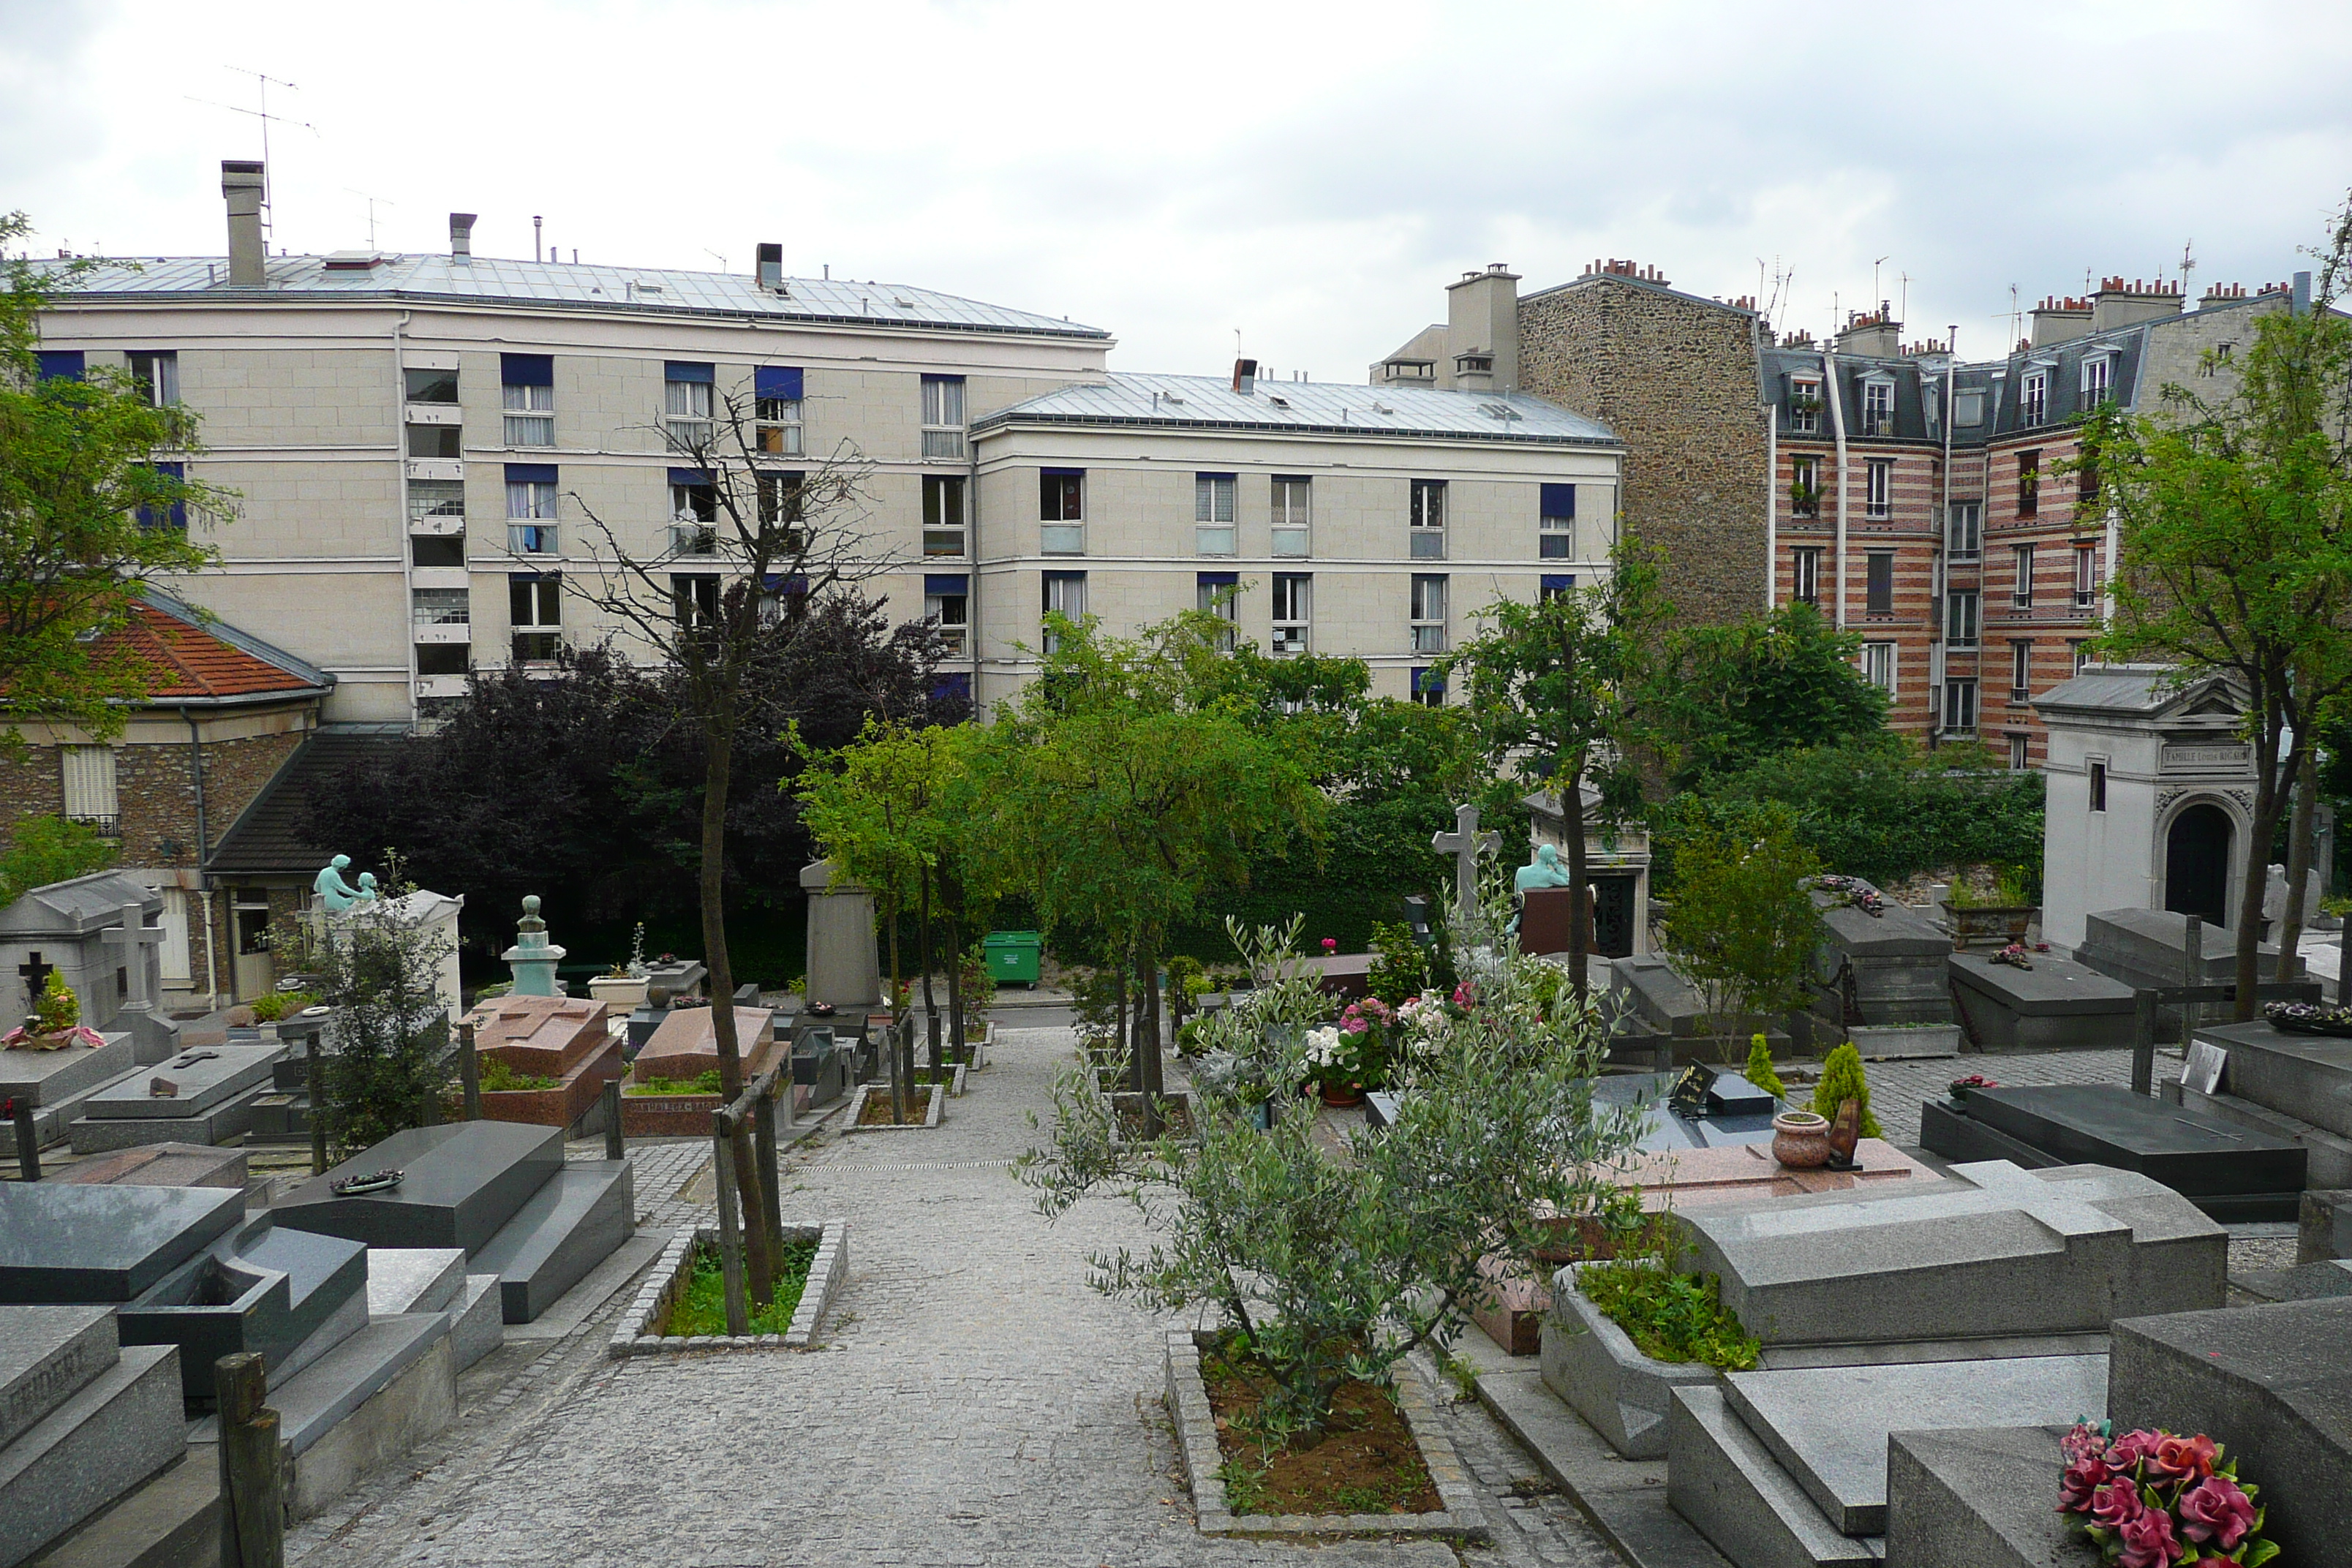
point(1425, 680)
point(147, 518)
point(531, 473)
point(60, 365)
point(1206, 476)
point(1220, 579)
point(942, 378)
point(1077, 472)
point(946, 583)
point(688, 476)
point(783, 381)
point(1559, 501)
point(954, 688)
point(1558, 583)
point(679, 370)
point(527, 370)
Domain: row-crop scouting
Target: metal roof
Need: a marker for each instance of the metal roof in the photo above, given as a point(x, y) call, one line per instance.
point(493, 280)
point(2132, 689)
point(1209, 403)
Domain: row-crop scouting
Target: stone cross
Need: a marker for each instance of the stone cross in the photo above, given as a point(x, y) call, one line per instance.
point(132, 939)
point(37, 975)
point(1466, 844)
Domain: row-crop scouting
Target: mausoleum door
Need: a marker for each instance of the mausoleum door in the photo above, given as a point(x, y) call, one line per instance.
point(2197, 864)
point(1613, 917)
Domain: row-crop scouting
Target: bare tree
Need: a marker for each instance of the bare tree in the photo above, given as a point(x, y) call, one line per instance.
point(742, 553)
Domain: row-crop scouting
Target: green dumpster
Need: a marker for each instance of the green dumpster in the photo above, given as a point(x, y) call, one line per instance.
point(1012, 955)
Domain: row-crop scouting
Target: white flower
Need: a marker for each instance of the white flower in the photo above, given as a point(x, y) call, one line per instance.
point(1324, 1047)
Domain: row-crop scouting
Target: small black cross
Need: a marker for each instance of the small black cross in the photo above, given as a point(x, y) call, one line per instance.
point(36, 977)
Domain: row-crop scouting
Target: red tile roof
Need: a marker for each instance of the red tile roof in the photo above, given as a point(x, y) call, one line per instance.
point(194, 663)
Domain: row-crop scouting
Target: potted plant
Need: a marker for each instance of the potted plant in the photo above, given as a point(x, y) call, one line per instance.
point(56, 1022)
point(1335, 1065)
point(2003, 918)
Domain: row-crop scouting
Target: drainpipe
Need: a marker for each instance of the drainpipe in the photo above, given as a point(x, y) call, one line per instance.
point(1835, 398)
point(1771, 502)
point(204, 851)
point(972, 552)
point(1944, 537)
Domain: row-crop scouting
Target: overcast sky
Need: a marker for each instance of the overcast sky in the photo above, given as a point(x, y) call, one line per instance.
point(1311, 175)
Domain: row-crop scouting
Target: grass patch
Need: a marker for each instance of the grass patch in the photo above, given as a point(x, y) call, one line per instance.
point(1363, 1461)
point(701, 1307)
point(701, 1083)
point(877, 1112)
point(1670, 1317)
point(500, 1079)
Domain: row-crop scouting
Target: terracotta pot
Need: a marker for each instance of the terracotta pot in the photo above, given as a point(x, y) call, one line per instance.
point(1800, 1139)
point(1341, 1095)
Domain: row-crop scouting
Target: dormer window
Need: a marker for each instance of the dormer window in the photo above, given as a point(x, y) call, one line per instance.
point(2097, 373)
point(1878, 408)
point(1804, 406)
point(2034, 398)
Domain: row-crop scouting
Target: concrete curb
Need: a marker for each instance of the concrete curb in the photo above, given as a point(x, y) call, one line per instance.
point(634, 1336)
point(857, 1109)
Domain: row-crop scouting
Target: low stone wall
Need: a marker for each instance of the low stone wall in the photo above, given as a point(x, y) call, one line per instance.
point(638, 1331)
point(938, 1097)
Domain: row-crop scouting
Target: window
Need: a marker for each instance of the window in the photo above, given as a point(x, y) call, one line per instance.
point(437, 550)
point(1426, 521)
point(1061, 507)
point(1968, 409)
point(2018, 750)
point(1877, 407)
point(946, 605)
point(1878, 665)
point(1964, 530)
point(2082, 655)
point(1294, 611)
point(156, 374)
point(1556, 527)
point(1066, 595)
point(535, 609)
point(1292, 498)
point(1878, 583)
point(2096, 370)
point(776, 410)
point(530, 509)
point(1804, 406)
point(780, 503)
point(693, 512)
point(2021, 594)
point(2087, 575)
point(1219, 592)
point(251, 908)
point(1212, 514)
point(437, 441)
point(1804, 487)
point(1805, 574)
point(176, 514)
point(441, 607)
point(1552, 586)
point(431, 386)
point(2087, 475)
point(1879, 496)
point(943, 514)
point(435, 497)
point(59, 364)
point(2020, 671)
point(694, 599)
point(1961, 706)
point(1428, 615)
point(687, 405)
point(2034, 398)
point(528, 395)
point(2029, 484)
point(944, 417)
point(444, 658)
point(1428, 687)
point(2098, 786)
point(89, 794)
point(1960, 617)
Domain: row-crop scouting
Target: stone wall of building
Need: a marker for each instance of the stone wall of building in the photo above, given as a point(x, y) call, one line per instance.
point(1676, 378)
point(155, 790)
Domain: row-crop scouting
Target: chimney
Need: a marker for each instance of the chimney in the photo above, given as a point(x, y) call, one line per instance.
point(2121, 304)
point(2299, 302)
point(461, 235)
point(1245, 377)
point(1482, 332)
point(1872, 334)
point(771, 266)
point(241, 184)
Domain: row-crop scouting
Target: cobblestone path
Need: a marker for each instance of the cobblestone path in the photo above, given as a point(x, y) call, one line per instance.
point(976, 1403)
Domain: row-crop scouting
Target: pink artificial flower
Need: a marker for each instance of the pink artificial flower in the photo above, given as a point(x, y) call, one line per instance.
point(2215, 1510)
point(2082, 1478)
point(2126, 1451)
point(1462, 994)
point(1330, 944)
point(2084, 1442)
point(1352, 1023)
point(2146, 1541)
point(2182, 1457)
point(2116, 1504)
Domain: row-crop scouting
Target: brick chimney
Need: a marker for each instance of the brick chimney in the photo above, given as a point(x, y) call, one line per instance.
point(241, 186)
point(2056, 320)
point(1872, 334)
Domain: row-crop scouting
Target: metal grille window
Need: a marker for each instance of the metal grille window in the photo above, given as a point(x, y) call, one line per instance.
point(1804, 487)
point(1878, 583)
point(2087, 575)
point(688, 401)
point(2020, 671)
point(1555, 523)
point(1804, 406)
point(530, 517)
point(156, 372)
point(943, 429)
point(441, 607)
point(1292, 500)
point(2020, 594)
point(1880, 495)
point(1805, 574)
point(1066, 595)
point(535, 611)
point(1964, 530)
point(1428, 615)
point(1426, 521)
point(1878, 665)
point(89, 781)
point(435, 497)
point(1294, 611)
point(1960, 705)
point(943, 514)
point(1878, 408)
point(1960, 608)
point(1061, 508)
point(2034, 398)
point(430, 385)
point(1212, 514)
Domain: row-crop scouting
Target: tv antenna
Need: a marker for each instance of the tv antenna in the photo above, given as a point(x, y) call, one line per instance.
point(372, 201)
point(263, 84)
point(2188, 265)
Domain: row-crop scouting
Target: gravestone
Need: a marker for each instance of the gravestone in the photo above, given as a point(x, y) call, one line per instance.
point(685, 1044)
point(83, 1421)
point(2056, 1005)
point(160, 1165)
point(534, 957)
point(1649, 995)
point(67, 1242)
point(844, 966)
point(1994, 1251)
point(547, 1036)
point(1889, 966)
point(203, 1095)
point(287, 1296)
point(1465, 845)
point(2148, 950)
point(2234, 1174)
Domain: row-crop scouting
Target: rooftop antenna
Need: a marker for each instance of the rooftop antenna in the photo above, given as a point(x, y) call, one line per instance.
point(2188, 266)
point(720, 259)
point(371, 204)
point(1904, 314)
point(262, 114)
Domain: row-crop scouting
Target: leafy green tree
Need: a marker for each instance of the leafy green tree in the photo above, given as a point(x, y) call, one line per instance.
point(45, 849)
point(1740, 920)
point(1562, 691)
point(1787, 679)
point(2234, 516)
point(94, 506)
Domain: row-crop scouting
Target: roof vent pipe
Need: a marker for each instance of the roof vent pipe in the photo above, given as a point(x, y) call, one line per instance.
point(771, 266)
point(461, 235)
point(1246, 376)
point(241, 185)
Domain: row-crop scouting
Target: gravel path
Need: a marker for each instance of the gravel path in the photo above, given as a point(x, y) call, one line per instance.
point(976, 1404)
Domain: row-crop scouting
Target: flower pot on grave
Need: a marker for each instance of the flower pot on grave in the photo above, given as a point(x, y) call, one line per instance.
point(624, 993)
point(1800, 1139)
point(1998, 924)
point(1340, 1096)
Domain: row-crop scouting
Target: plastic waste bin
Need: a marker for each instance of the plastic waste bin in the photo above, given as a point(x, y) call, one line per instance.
point(1012, 957)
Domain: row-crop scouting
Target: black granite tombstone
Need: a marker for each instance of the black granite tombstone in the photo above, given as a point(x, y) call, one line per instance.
point(459, 1182)
point(65, 1243)
point(1699, 1108)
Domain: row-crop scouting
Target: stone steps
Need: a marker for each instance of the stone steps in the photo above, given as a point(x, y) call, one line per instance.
point(108, 1436)
point(1722, 1478)
point(172, 1522)
point(569, 1227)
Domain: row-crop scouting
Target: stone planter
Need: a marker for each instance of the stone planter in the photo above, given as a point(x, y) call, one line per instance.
point(624, 993)
point(567, 1102)
point(1196, 1440)
point(1800, 1139)
point(666, 1115)
point(1881, 1042)
point(1998, 924)
point(637, 1334)
point(939, 1101)
point(1592, 1364)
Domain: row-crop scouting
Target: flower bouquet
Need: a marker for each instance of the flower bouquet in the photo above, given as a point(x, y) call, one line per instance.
point(2155, 1499)
point(2309, 1018)
point(2015, 956)
point(1961, 1086)
point(1335, 1064)
point(1852, 892)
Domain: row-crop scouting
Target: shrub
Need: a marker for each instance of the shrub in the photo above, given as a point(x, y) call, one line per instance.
point(1760, 1071)
point(275, 1006)
point(1842, 1079)
point(497, 1077)
point(59, 1009)
point(45, 849)
point(1669, 1316)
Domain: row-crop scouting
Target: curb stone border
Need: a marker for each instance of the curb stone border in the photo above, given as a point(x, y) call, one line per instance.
point(1196, 1439)
point(827, 1270)
point(857, 1109)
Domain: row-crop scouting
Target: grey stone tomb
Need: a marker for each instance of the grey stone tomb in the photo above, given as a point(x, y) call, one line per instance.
point(1888, 967)
point(203, 1095)
point(65, 1243)
point(104, 932)
point(2285, 1084)
point(844, 967)
point(2056, 1005)
point(82, 1420)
